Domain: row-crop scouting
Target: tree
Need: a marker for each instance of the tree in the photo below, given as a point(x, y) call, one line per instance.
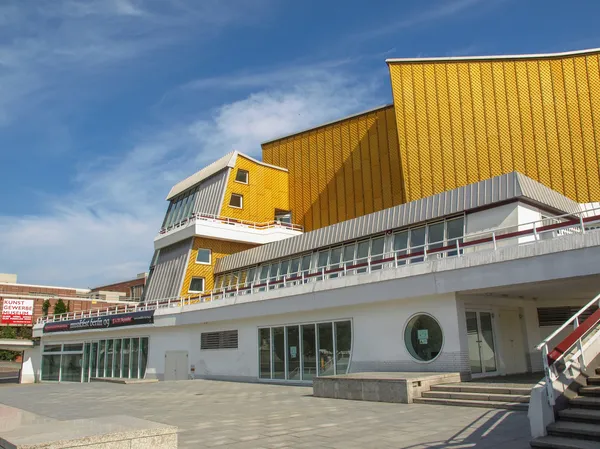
point(8, 332)
point(46, 307)
point(60, 307)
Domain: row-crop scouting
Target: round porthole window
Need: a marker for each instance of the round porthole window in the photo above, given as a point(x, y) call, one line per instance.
point(423, 337)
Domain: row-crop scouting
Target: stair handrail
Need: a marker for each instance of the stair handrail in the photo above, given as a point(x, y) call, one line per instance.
point(550, 370)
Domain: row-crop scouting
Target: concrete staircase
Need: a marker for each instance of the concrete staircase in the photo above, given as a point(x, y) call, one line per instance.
point(577, 427)
point(476, 395)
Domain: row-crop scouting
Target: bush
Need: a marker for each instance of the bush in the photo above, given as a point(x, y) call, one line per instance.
point(60, 307)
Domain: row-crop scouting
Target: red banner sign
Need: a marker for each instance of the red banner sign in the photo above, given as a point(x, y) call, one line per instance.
point(17, 311)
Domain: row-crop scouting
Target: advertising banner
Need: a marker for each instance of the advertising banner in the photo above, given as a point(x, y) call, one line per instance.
point(101, 322)
point(17, 312)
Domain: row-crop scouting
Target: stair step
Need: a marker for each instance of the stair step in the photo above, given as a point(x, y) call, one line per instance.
point(475, 396)
point(580, 414)
point(517, 406)
point(471, 388)
point(586, 402)
point(590, 391)
point(580, 430)
point(593, 380)
point(563, 443)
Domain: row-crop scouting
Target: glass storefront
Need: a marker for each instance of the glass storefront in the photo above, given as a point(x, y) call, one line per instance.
point(423, 337)
point(301, 352)
point(80, 362)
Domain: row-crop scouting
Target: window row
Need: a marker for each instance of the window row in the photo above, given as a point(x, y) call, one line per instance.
point(401, 243)
point(301, 352)
point(181, 207)
point(124, 358)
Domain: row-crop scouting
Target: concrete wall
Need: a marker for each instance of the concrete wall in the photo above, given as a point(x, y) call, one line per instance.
point(32, 364)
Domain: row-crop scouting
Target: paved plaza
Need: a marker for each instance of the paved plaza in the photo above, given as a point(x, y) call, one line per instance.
point(237, 415)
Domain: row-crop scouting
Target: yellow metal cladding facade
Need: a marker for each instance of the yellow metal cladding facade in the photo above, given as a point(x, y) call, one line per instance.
point(342, 170)
point(219, 248)
point(267, 190)
point(460, 122)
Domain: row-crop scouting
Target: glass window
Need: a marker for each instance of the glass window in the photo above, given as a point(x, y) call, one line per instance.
point(94, 360)
point(102, 358)
point(417, 242)
point(134, 355)
point(309, 351)
point(251, 274)
point(109, 357)
point(143, 356)
point(219, 282)
point(243, 275)
point(278, 353)
point(204, 256)
point(423, 337)
point(334, 260)
point(52, 348)
point(51, 367)
point(197, 285)
point(294, 266)
point(236, 201)
point(435, 236)
point(264, 272)
point(400, 245)
point(264, 345)
point(322, 259)
point(306, 262)
point(326, 363)
point(125, 352)
point(283, 268)
point(377, 252)
point(454, 233)
point(71, 367)
point(242, 176)
point(348, 255)
point(362, 253)
point(293, 352)
point(343, 346)
point(117, 359)
point(78, 347)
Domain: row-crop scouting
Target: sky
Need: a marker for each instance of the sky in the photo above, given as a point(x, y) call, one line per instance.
point(105, 104)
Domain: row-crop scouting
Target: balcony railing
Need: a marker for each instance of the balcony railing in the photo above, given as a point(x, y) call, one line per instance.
point(209, 218)
point(522, 234)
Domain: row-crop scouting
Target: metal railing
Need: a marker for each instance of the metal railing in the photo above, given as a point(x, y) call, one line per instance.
point(557, 361)
point(193, 218)
point(522, 234)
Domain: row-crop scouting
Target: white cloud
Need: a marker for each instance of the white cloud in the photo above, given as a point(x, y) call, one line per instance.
point(103, 231)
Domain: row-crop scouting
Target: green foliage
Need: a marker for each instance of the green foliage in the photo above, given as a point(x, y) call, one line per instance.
point(60, 307)
point(46, 307)
point(8, 332)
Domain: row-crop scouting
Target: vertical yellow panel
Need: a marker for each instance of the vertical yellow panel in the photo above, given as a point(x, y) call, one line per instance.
point(572, 94)
point(563, 132)
point(458, 133)
point(375, 157)
point(526, 118)
point(348, 171)
point(411, 144)
point(338, 160)
point(593, 75)
point(445, 119)
point(322, 177)
point(314, 185)
point(466, 102)
point(365, 165)
point(275, 154)
point(297, 189)
point(504, 132)
point(307, 189)
point(483, 159)
point(396, 167)
point(548, 97)
point(423, 150)
point(357, 175)
point(291, 166)
point(330, 172)
point(538, 123)
point(491, 119)
point(587, 129)
point(514, 119)
point(436, 168)
point(384, 159)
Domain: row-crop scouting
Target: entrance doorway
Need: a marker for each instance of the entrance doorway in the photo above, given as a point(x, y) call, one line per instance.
point(176, 365)
point(482, 347)
point(511, 337)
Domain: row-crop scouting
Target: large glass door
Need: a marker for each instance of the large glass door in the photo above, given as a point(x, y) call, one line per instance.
point(480, 336)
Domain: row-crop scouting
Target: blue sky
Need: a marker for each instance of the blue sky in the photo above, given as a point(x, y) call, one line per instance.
point(104, 104)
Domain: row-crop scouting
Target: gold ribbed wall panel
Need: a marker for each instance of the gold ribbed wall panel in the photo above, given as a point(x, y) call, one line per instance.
point(460, 122)
point(267, 190)
point(342, 170)
point(219, 248)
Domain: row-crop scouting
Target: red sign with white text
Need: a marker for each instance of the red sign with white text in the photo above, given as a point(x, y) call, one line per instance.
point(17, 311)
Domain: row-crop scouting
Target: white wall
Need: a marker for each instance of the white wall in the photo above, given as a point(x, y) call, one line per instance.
point(30, 369)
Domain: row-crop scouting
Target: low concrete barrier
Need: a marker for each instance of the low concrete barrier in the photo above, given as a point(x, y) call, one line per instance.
point(112, 432)
point(380, 386)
